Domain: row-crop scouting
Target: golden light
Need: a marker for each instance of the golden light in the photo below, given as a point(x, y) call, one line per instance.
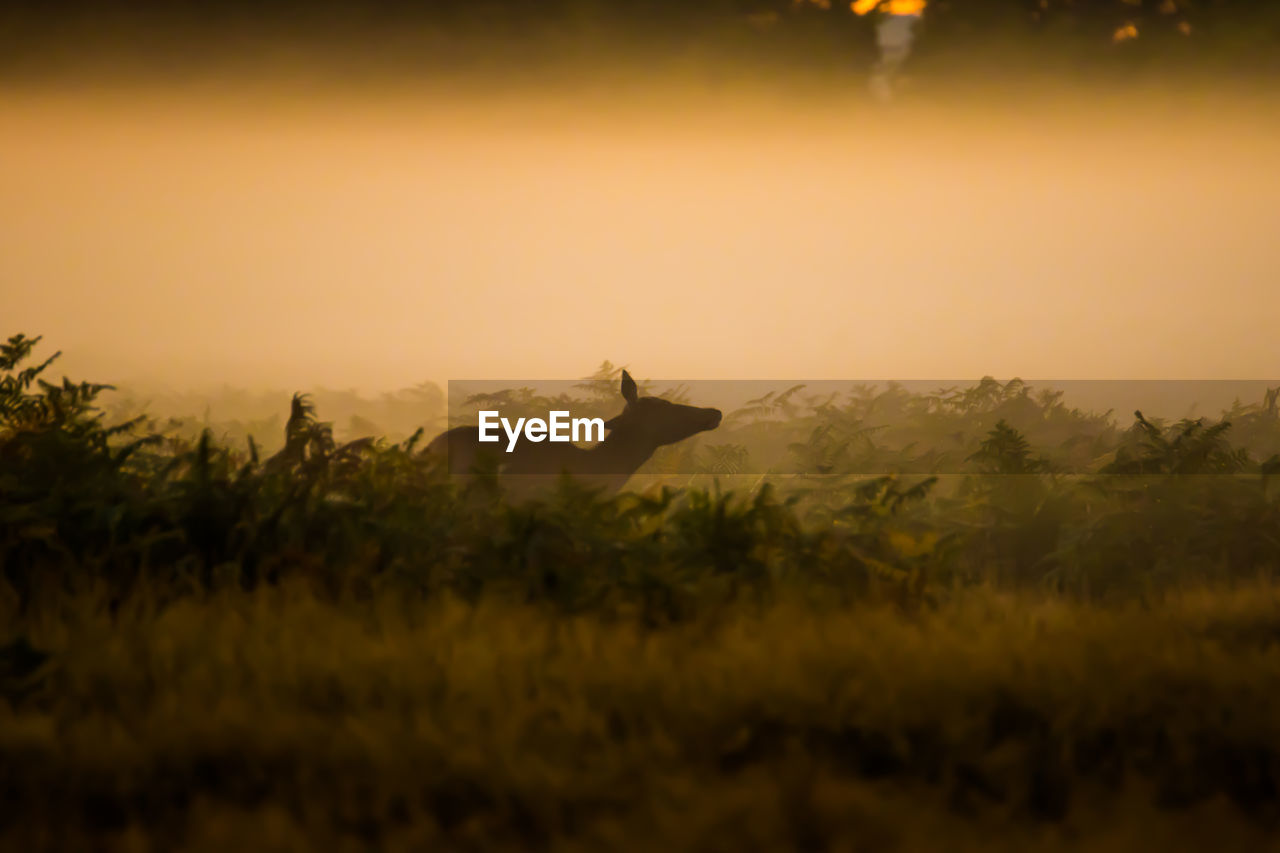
point(1125, 33)
point(893, 7)
point(431, 233)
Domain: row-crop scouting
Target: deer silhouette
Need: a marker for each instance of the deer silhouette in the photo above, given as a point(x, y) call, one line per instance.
point(646, 424)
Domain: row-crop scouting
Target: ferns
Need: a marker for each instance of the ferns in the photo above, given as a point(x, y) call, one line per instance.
point(1006, 452)
point(1190, 447)
point(83, 502)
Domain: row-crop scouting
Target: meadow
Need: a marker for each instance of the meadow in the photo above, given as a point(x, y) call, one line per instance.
point(975, 618)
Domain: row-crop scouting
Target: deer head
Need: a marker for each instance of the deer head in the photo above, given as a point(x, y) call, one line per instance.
point(654, 422)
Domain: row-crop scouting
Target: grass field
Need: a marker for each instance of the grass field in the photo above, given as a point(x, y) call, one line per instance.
point(274, 720)
point(1073, 642)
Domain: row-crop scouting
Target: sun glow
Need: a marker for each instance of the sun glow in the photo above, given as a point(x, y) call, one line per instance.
point(893, 7)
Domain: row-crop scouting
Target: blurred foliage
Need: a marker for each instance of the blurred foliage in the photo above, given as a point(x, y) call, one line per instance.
point(877, 492)
point(277, 720)
point(205, 647)
point(1064, 36)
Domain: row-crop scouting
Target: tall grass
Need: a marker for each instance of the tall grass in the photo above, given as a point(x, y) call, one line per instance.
point(273, 719)
point(206, 646)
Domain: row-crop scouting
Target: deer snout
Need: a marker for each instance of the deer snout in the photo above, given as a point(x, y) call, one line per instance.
point(712, 418)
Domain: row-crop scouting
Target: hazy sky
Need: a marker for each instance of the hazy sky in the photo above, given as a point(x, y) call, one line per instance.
point(352, 240)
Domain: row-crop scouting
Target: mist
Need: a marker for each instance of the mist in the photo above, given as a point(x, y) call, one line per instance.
point(263, 236)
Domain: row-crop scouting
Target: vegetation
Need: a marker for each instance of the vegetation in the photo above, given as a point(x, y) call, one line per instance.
point(1026, 627)
point(1056, 36)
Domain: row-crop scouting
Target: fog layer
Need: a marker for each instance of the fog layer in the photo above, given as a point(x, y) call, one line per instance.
point(374, 242)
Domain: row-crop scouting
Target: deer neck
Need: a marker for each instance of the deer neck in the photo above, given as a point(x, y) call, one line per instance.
point(622, 452)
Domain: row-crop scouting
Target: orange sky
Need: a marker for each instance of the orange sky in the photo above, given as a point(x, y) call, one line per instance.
point(375, 242)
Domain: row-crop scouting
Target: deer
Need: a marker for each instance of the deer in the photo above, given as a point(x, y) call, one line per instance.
point(645, 424)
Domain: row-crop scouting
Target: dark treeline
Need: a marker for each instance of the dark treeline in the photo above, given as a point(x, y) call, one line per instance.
point(673, 11)
point(812, 31)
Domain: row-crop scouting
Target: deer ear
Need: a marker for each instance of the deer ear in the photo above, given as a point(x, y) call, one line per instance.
point(628, 388)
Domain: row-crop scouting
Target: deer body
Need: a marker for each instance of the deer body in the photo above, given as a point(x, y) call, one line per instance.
point(646, 424)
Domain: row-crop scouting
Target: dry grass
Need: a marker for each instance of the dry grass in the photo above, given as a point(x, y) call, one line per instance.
point(273, 720)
